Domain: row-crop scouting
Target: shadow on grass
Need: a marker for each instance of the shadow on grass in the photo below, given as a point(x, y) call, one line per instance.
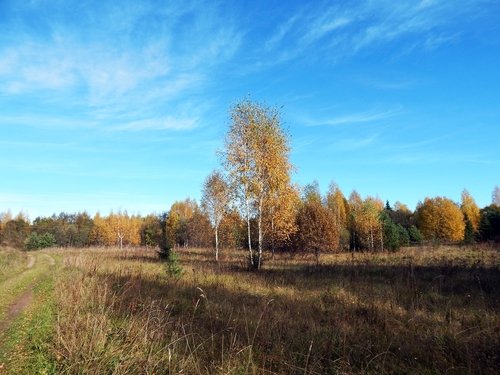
point(364, 333)
point(447, 280)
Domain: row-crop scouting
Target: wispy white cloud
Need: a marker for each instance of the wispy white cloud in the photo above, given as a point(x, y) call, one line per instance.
point(126, 62)
point(353, 118)
point(323, 27)
point(347, 29)
point(384, 84)
point(164, 123)
point(48, 122)
point(281, 32)
point(353, 144)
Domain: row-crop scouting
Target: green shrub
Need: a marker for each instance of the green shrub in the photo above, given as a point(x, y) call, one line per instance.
point(403, 236)
point(416, 237)
point(173, 266)
point(36, 241)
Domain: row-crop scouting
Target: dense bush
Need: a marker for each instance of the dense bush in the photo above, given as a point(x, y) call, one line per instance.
point(36, 241)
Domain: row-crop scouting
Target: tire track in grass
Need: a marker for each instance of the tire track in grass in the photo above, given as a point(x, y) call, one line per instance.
point(18, 291)
point(31, 261)
point(28, 345)
point(14, 286)
point(14, 310)
point(52, 261)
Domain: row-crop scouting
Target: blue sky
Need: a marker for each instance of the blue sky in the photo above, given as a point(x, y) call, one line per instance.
point(110, 105)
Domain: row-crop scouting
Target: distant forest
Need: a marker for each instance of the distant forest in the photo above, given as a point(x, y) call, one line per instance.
point(251, 203)
point(355, 224)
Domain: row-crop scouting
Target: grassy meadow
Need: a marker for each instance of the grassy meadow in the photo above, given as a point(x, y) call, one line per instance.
point(106, 311)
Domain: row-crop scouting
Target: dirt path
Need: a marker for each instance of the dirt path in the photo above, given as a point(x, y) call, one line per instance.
point(14, 310)
point(37, 265)
point(22, 302)
point(31, 261)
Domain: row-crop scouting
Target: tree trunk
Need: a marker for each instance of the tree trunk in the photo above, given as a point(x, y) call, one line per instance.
point(249, 234)
point(217, 243)
point(272, 236)
point(371, 238)
point(260, 234)
point(354, 240)
point(382, 236)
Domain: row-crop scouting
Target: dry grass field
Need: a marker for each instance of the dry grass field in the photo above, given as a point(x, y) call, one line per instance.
point(106, 311)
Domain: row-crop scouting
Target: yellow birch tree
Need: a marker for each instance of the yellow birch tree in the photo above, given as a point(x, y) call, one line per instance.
point(256, 158)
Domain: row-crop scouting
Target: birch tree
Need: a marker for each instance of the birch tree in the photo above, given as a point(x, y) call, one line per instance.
point(214, 201)
point(256, 158)
point(495, 196)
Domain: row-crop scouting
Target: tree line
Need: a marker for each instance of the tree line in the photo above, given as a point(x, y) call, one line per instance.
point(251, 203)
point(319, 223)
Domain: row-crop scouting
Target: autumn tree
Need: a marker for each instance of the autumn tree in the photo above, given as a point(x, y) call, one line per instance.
point(440, 219)
point(117, 224)
point(199, 229)
point(472, 216)
point(177, 222)
point(117, 229)
point(256, 158)
point(101, 234)
point(369, 224)
point(355, 213)
point(280, 216)
point(126, 229)
point(317, 231)
point(15, 230)
point(339, 207)
point(215, 201)
point(233, 234)
point(151, 231)
point(172, 224)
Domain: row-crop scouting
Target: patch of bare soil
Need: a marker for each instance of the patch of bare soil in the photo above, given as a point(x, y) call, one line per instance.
point(14, 310)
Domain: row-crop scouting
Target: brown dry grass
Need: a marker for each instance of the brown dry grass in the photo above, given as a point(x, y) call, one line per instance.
point(421, 310)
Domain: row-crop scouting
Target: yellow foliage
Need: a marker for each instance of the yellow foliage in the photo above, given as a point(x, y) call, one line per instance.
point(470, 210)
point(441, 219)
point(116, 229)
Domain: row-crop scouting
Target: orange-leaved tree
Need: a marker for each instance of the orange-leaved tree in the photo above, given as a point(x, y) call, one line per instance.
point(338, 205)
point(440, 219)
point(317, 231)
point(471, 212)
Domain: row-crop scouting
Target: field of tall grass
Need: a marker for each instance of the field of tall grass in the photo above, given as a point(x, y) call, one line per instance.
point(421, 310)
